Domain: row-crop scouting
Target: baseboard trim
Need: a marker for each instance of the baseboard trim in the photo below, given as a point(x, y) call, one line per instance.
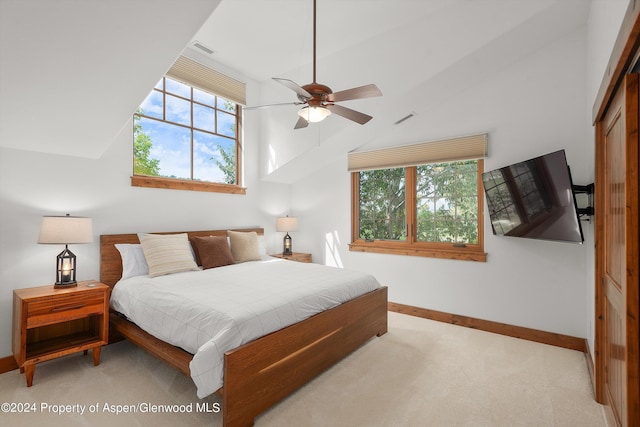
point(591, 368)
point(7, 364)
point(550, 338)
point(565, 341)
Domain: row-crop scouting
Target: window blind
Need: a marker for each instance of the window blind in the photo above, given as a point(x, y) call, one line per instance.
point(195, 74)
point(446, 150)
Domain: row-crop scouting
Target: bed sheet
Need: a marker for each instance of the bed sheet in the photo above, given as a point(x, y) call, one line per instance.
point(209, 312)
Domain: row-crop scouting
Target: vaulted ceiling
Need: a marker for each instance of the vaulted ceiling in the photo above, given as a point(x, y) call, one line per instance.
point(72, 72)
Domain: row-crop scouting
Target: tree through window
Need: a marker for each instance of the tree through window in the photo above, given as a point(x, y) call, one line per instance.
point(428, 209)
point(185, 133)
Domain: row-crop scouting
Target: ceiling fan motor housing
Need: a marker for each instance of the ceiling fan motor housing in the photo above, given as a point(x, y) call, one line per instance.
point(318, 94)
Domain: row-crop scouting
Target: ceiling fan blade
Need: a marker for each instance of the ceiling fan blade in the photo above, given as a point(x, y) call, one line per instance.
point(293, 86)
point(256, 107)
point(348, 113)
point(301, 123)
point(367, 91)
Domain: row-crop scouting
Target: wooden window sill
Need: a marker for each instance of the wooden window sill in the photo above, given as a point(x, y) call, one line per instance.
point(183, 184)
point(462, 254)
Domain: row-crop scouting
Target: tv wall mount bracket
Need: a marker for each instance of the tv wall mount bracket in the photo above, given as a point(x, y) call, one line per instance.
point(588, 190)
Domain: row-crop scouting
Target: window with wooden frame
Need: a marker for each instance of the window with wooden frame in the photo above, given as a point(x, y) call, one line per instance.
point(421, 200)
point(187, 132)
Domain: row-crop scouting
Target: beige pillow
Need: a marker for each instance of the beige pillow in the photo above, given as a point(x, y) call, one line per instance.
point(244, 245)
point(213, 251)
point(167, 253)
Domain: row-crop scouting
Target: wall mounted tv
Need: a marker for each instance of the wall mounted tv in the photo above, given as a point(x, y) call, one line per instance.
point(534, 199)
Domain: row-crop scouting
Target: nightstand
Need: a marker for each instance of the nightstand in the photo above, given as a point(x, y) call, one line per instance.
point(50, 323)
point(296, 256)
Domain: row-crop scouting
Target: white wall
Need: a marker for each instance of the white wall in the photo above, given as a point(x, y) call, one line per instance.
point(534, 106)
point(36, 184)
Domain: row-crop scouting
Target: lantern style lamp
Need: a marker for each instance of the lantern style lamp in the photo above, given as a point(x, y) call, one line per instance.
point(65, 230)
point(287, 224)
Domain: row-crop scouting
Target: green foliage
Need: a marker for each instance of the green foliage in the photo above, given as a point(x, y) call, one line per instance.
point(446, 203)
point(228, 164)
point(143, 164)
point(382, 204)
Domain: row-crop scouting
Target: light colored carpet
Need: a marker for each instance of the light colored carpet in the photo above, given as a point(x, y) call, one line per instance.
point(421, 373)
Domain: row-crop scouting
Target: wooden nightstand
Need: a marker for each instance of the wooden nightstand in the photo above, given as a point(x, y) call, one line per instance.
point(296, 256)
point(50, 323)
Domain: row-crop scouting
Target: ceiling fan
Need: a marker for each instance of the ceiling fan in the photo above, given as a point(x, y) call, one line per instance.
point(320, 101)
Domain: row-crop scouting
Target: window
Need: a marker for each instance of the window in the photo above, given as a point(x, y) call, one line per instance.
point(429, 209)
point(187, 137)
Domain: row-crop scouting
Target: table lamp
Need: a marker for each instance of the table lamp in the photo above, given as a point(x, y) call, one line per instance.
point(65, 230)
point(287, 224)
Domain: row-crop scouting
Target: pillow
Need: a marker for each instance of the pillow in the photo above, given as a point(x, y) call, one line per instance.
point(167, 253)
point(262, 246)
point(133, 260)
point(213, 251)
point(194, 249)
point(244, 245)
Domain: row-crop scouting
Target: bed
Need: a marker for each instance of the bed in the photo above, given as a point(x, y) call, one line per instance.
point(258, 374)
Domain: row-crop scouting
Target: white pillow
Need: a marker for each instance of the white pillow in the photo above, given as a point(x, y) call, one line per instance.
point(133, 261)
point(244, 246)
point(167, 253)
point(262, 246)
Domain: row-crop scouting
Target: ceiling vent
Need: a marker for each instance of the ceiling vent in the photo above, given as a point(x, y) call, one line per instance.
point(407, 117)
point(202, 47)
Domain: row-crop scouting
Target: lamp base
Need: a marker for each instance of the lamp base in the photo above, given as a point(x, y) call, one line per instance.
point(65, 284)
point(287, 246)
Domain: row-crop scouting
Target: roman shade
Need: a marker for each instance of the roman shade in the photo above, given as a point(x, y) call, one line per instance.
point(446, 150)
point(197, 75)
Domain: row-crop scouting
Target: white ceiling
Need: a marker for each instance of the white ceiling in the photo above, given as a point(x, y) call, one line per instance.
point(392, 40)
point(73, 71)
point(267, 38)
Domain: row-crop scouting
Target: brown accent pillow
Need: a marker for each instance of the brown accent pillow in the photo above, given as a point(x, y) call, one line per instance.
point(196, 255)
point(213, 251)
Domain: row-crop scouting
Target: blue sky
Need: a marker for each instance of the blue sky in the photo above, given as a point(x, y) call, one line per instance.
point(171, 143)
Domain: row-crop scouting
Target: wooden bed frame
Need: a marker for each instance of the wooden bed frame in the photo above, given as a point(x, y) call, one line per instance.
point(259, 374)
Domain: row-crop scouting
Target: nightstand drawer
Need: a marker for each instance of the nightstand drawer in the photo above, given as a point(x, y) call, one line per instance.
point(65, 307)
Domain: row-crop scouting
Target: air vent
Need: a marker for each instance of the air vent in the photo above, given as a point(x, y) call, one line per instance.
point(407, 117)
point(202, 47)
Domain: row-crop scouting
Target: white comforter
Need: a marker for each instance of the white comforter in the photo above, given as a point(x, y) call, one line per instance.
point(212, 311)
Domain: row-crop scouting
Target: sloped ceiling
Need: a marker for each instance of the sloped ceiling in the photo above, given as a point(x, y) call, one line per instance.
point(72, 72)
point(417, 52)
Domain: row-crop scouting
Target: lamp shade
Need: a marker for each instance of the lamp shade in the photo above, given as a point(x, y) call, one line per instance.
point(64, 230)
point(286, 224)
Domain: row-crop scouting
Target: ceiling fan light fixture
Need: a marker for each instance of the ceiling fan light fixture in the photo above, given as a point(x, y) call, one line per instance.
point(317, 97)
point(314, 114)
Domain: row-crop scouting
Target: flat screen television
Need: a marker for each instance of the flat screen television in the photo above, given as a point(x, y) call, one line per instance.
point(534, 199)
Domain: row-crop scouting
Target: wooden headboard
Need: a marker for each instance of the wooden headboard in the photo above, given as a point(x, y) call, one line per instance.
point(111, 262)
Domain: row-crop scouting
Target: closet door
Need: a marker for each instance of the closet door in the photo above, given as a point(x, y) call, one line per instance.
point(617, 254)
